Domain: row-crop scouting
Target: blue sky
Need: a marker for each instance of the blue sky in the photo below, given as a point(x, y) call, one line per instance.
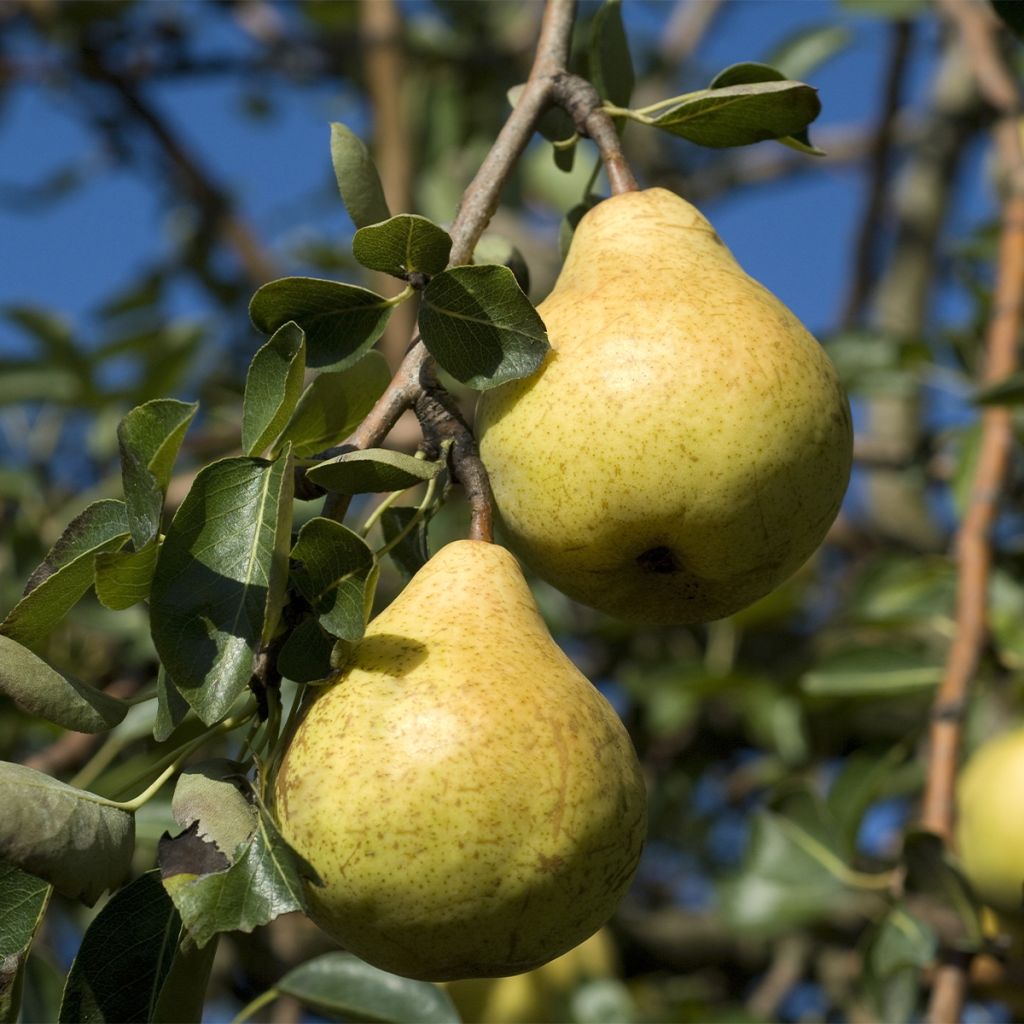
point(794, 236)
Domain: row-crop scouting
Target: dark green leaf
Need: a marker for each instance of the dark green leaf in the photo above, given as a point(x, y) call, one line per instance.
point(183, 993)
point(123, 578)
point(272, 387)
point(214, 795)
point(335, 404)
point(372, 469)
point(23, 901)
point(611, 67)
point(149, 438)
point(1008, 391)
point(265, 881)
point(357, 177)
point(51, 332)
point(554, 124)
point(893, 9)
point(403, 245)
point(306, 654)
point(67, 572)
point(930, 872)
point(565, 157)
point(899, 590)
point(65, 835)
point(341, 321)
point(410, 553)
point(740, 115)
point(900, 947)
point(42, 691)
point(220, 579)
point(171, 706)
point(1012, 14)
point(340, 985)
point(495, 248)
point(333, 566)
point(872, 672)
point(862, 780)
point(481, 328)
point(125, 957)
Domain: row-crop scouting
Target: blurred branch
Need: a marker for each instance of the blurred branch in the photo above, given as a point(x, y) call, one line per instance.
point(213, 202)
point(688, 25)
point(380, 31)
point(879, 166)
point(978, 29)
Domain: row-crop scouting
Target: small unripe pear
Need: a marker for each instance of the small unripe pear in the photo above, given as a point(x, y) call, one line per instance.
point(990, 822)
point(472, 804)
point(686, 444)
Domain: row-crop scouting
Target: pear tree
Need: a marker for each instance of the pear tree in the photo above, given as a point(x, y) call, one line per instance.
point(360, 713)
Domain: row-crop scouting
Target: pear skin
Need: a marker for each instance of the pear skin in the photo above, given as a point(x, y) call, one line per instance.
point(472, 804)
point(990, 827)
point(686, 444)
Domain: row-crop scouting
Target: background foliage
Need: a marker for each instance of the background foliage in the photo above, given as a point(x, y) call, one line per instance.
point(782, 745)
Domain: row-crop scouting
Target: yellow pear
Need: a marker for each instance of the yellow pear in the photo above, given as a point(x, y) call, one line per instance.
point(990, 822)
point(540, 995)
point(686, 443)
point(472, 804)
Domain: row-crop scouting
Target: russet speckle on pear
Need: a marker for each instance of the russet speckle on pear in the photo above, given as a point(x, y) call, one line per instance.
point(686, 444)
point(472, 804)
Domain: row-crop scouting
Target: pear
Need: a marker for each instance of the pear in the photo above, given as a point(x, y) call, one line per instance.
point(686, 443)
point(473, 806)
point(990, 825)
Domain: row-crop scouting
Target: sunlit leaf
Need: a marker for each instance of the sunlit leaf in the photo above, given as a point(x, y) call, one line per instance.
point(272, 387)
point(220, 579)
point(372, 469)
point(357, 177)
point(403, 245)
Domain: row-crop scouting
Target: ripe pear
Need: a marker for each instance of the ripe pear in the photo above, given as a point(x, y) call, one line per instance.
point(990, 822)
point(686, 443)
point(472, 804)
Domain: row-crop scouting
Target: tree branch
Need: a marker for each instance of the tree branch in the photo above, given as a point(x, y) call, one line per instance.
point(978, 30)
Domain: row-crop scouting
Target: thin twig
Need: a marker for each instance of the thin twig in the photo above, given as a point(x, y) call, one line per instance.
point(978, 30)
point(866, 249)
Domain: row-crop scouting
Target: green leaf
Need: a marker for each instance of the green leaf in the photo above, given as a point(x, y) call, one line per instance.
point(862, 780)
point(265, 881)
point(1012, 15)
point(220, 579)
point(149, 438)
point(63, 835)
point(42, 989)
point(740, 115)
point(372, 469)
point(123, 578)
point(67, 572)
point(611, 67)
point(340, 985)
point(272, 387)
point(554, 124)
point(341, 321)
point(40, 690)
point(750, 73)
point(171, 706)
point(183, 993)
point(495, 248)
point(125, 957)
point(334, 564)
point(23, 902)
point(335, 404)
point(403, 245)
point(899, 591)
point(357, 177)
point(29, 380)
point(480, 327)
point(930, 872)
point(410, 554)
point(215, 796)
point(872, 672)
point(804, 51)
point(1008, 391)
point(787, 879)
point(306, 654)
point(900, 947)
